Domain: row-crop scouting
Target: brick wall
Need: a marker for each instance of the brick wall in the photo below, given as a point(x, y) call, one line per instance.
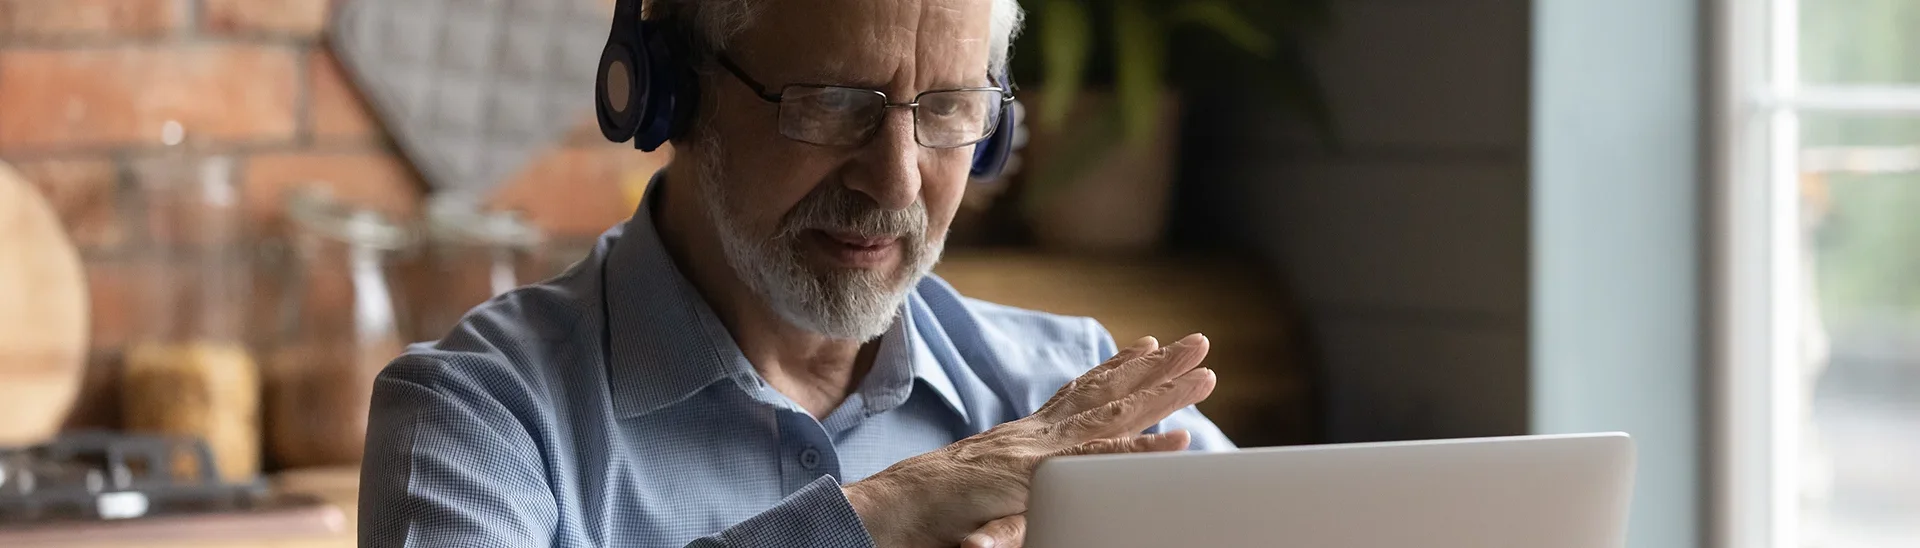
point(85, 86)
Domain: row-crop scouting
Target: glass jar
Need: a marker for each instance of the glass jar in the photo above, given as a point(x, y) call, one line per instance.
point(338, 327)
point(188, 371)
point(468, 255)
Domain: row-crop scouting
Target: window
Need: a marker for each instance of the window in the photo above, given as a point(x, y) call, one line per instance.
point(1818, 271)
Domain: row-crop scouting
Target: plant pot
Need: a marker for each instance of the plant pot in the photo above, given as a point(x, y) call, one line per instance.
point(1085, 189)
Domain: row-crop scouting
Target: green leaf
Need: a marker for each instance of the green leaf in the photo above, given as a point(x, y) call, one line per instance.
point(1140, 64)
point(1066, 38)
point(1223, 18)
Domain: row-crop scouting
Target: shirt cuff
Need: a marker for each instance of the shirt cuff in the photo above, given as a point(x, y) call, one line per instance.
point(816, 515)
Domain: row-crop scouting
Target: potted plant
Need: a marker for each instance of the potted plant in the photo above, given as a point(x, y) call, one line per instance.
point(1102, 81)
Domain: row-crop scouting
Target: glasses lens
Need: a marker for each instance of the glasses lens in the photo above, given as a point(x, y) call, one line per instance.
point(947, 119)
point(829, 116)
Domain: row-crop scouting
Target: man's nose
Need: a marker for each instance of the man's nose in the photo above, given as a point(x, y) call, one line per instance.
point(888, 167)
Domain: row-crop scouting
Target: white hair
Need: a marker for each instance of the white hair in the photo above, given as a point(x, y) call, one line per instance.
point(714, 23)
point(849, 304)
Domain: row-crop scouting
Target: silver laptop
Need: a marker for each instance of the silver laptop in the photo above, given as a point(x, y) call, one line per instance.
point(1566, 491)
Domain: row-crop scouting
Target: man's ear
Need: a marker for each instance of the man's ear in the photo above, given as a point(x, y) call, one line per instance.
point(704, 90)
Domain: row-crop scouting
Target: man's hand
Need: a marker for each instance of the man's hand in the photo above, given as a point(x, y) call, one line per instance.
point(1007, 532)
point(938, 498)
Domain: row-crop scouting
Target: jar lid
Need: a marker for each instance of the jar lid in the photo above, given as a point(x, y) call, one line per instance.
point(459, 219)
point(315, 209)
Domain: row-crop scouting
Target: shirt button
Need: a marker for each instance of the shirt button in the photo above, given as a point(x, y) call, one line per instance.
point(810, 458)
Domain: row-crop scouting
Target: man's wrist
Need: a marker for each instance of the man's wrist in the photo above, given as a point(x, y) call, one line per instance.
point(872, 500)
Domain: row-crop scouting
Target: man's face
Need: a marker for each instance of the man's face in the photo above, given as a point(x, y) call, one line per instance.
point(833, 237)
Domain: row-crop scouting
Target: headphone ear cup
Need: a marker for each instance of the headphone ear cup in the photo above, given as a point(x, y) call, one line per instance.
point(620, 91)
point(670, 88)
point(990, 156)
point(686, 102)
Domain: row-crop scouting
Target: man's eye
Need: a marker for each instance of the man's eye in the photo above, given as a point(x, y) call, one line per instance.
point(943, 108)
point(837, 102)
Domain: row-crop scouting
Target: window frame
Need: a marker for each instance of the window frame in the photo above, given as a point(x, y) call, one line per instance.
point(1756, 100)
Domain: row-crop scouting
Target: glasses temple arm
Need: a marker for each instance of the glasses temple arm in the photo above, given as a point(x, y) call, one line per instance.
point(752, 84)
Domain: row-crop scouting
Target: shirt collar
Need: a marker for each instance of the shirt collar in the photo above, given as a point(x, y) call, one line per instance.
point(925, 366)
point(903, 358)
point(665, 343)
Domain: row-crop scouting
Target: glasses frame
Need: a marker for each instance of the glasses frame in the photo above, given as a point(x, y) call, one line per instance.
point(913, 107)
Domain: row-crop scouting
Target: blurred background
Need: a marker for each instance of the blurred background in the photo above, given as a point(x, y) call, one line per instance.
point(1690, 220)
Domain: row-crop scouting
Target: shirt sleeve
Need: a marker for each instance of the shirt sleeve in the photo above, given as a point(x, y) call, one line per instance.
point(816, 515)
point(449, 467)
point(1206, 436)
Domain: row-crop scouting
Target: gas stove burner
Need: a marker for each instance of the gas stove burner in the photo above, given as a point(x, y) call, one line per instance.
point(99, 475)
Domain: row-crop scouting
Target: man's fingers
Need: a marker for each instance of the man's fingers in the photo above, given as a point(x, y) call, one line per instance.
point(1007, 532)
point(1142, 409)
point(1182, 356)
point(1116, 379)
point(1176, 440)
point(1068, 400)
point(1140, 347)
point(1150, 370)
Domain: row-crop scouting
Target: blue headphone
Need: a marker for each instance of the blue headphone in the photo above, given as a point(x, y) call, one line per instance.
point(645, 91)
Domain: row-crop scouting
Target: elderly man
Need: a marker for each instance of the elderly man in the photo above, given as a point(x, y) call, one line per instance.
point(759, 357)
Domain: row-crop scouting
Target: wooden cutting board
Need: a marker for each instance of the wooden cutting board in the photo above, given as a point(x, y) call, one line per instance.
point(43, 315)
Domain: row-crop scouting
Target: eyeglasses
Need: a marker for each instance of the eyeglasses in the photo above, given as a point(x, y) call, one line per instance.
point(844, 116)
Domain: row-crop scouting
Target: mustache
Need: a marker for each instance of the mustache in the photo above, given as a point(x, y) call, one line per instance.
point(834, 207)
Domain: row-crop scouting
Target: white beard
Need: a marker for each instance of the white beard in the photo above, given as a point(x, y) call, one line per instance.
point(849, 304)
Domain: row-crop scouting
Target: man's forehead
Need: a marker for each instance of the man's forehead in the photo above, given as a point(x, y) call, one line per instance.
point(845, 41)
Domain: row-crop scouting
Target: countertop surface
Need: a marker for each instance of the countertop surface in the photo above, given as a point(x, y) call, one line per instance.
point(339, 486)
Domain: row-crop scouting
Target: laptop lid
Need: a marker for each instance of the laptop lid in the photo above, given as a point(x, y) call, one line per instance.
point(1564, 491)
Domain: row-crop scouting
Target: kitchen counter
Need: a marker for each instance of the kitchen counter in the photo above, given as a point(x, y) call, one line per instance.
point(340, 486)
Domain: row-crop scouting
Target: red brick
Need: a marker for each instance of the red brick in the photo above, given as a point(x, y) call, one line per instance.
point(339, 111)
point(288, 17)
point(118, 96)
point(83, 192)
point(579, 190)
point(89, 18)
point(378, 180)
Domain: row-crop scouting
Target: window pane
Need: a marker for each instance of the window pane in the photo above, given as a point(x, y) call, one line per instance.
point(1861, 206)
point(1861, 41)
